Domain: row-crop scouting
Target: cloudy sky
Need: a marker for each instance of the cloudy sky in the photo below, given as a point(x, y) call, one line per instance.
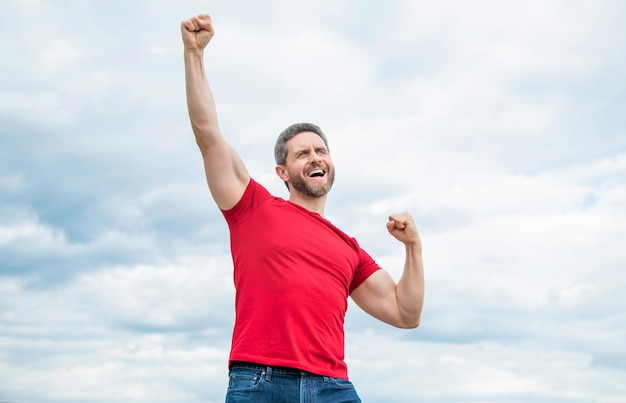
point(499, 125)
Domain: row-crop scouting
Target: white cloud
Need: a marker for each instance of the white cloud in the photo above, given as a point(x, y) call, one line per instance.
point(498, 125)
point(30, 236)
point(441, 372)
point(154, 334)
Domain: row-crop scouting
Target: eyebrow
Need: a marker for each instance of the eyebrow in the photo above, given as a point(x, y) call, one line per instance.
point(307, 150)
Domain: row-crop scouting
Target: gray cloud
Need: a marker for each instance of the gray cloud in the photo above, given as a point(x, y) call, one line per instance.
point(497, 125)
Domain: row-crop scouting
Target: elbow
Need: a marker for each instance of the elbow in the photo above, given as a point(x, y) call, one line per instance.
point(206, 138)
point(411, 325)
point(410, 318)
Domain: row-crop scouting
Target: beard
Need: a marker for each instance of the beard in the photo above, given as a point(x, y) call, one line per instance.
point(299, 183)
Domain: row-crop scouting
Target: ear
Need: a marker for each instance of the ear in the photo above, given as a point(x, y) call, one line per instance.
point(282, 173)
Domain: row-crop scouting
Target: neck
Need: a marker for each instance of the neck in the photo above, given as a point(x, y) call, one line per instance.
point(314, 204)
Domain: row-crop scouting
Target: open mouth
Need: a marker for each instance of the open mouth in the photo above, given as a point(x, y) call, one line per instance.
point(317, 173)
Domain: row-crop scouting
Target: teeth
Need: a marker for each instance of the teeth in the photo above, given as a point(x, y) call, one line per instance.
point(317, 171)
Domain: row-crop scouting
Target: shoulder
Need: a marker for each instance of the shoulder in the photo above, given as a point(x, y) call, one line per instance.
point(253, 196)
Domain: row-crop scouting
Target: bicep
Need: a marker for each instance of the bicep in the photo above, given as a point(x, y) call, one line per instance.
point(226, 174)
point(377, 297)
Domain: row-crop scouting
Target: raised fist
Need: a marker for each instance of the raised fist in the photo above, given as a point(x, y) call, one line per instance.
point(197, 32)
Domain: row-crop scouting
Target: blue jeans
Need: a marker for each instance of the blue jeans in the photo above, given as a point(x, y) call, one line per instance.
point(263, 384)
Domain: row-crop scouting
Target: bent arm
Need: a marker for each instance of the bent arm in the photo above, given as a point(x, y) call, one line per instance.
point(226, 173)
point(400, 304)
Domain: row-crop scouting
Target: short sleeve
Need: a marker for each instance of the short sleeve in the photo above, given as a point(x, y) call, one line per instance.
point(367, 267)
point(252, 197)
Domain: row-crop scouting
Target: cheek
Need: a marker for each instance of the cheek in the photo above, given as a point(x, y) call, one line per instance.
point(293, 171)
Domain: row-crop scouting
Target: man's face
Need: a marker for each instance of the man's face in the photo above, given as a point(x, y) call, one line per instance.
point(308, 166)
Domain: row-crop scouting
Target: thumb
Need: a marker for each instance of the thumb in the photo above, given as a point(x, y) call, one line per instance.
point(395, 223)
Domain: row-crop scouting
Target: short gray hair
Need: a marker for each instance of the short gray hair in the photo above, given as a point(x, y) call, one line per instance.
point(280, 149)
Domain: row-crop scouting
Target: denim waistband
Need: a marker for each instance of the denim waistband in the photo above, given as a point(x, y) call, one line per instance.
point(275, 369)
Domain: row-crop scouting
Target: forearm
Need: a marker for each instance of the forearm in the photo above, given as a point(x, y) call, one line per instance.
point(200, 101)
point(410, 288)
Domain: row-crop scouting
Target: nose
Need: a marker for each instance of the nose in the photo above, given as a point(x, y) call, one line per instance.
point(315, 157)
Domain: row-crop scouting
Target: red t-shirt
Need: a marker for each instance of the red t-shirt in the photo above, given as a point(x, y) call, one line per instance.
point(293, 272)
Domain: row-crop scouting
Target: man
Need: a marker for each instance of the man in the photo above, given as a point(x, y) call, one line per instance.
point(293, 269)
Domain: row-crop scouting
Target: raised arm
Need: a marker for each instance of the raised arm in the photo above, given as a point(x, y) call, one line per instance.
point(226, 173)
point(399, 304)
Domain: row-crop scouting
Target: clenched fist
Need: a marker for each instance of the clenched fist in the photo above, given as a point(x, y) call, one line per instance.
point(402, 227)
point(197, 32)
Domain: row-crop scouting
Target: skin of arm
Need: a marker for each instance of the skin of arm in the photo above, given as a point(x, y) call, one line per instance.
point(399, 305)
point(226, 173)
